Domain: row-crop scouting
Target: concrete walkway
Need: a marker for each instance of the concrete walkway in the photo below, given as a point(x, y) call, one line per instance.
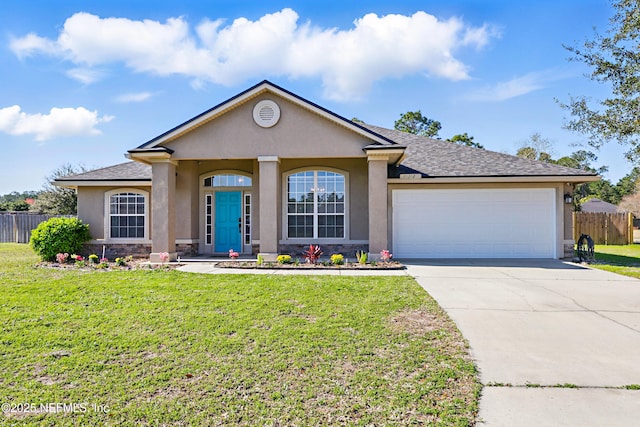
point(534, 325)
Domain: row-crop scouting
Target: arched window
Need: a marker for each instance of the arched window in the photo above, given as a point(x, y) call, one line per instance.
point(127, 214)
point(316, 205)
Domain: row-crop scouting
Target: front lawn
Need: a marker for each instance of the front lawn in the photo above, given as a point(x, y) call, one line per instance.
point(621, 259)
point(170, 348)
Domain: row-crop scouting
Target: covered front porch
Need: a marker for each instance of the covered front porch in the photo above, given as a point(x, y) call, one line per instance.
point(267, 206)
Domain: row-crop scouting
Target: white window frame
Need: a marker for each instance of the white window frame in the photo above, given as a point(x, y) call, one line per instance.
point(107, 215)
point(285, 209)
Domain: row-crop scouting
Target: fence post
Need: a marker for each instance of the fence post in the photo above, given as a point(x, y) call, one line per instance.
point(630, 228)
point(15, 228)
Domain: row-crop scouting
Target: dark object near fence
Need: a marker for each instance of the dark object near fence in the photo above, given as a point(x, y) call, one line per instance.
point(585, 248)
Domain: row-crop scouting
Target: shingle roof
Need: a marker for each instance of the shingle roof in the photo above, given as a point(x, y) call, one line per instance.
point(128, 171)
point(425, 156)
point(597, 205)
point(436, 158)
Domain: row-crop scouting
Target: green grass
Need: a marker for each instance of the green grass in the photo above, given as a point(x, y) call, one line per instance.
point(172, 348)
point(621, 259)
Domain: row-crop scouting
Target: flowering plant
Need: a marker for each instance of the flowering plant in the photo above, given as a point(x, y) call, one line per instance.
point(77, 257)
point(386, 255)
point(284, 259)
point(62, 257)
point(337, 259)
point(104, 260)
point(312, 254)
point(164, 257)
point(233, 254)
point(93, 258)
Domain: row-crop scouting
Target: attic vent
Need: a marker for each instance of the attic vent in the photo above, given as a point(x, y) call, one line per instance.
point(266, 113)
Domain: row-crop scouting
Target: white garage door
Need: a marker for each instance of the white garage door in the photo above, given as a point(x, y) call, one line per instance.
point(478, 223)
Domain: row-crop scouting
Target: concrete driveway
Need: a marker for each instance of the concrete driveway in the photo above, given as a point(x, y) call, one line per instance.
point(535, 325)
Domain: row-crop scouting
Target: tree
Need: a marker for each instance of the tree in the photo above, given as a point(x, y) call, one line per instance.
point(580, 159)
point(536, 148)
point(414, 122)
point(614, 59)
point(16, 201)
point(628, 184)
point(58, 200)
point(465, 139)
point(631, 203)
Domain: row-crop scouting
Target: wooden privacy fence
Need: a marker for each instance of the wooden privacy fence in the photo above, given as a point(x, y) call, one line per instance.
point(604, 228)
point(16, 227)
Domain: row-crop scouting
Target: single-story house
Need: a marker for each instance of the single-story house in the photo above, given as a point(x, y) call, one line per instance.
point(269, 172)
point(597, 205)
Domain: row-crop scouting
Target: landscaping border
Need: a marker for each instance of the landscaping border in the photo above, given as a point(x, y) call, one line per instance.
point(252, 265)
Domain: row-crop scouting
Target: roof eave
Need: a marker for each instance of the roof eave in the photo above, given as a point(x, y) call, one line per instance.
point(149, 155)
point(394, 154)
point(102, 183)
point(569, 179)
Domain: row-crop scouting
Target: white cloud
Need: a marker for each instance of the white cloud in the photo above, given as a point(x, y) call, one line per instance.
point(60, 122)
point(348, 61)
point(31, 44)
point(518, 86)
point(134, 97)
point(85, 75)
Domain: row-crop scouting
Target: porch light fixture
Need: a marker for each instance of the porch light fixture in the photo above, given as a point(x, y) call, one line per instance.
point(568, 198)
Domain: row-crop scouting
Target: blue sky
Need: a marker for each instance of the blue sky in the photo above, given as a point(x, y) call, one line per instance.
point(82, 82)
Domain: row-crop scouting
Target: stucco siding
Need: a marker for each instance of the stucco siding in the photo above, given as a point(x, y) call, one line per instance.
point(299, 133)
point(187, 195)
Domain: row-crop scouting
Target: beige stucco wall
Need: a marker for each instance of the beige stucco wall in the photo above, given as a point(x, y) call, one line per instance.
point(562, 227)
point(187, 196)
point(299, 133)
point(568, 213)
point(91, 207)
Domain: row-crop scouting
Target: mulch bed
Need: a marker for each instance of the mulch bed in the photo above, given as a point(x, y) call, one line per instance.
point(393, 265)
point(136, 264)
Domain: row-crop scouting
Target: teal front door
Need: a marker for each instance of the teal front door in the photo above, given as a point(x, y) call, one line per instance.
point(228, 231)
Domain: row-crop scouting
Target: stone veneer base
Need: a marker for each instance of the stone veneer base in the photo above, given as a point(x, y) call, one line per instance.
point(121, 250)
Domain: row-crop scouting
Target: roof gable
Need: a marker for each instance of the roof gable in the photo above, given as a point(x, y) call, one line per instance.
point(247, 95)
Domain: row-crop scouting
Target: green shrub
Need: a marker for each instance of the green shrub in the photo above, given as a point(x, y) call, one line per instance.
point(59, 235)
